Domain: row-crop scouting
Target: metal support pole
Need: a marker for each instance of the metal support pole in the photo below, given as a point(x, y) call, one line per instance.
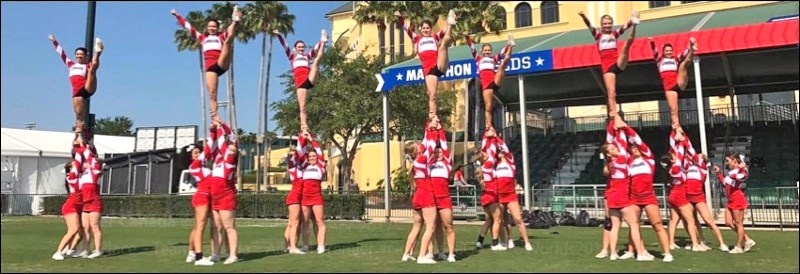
point(701, 120)
point(524, 130)
point(387, 184)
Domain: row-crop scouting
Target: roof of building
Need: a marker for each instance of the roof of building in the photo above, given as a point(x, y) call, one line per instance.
point(346, 7)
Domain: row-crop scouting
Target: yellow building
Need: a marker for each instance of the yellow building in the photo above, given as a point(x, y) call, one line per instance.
point(523, 19)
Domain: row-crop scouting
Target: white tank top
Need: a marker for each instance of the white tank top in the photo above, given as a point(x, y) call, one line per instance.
point(693, 173)
point(212, 42)
point(486, 63)
point(439, 170)
point(503, 170)
point(426, 44)
point(607, 42)
point(300, 61)
point(668, 64)
point(78, 70)
point(313, 172)
point(640, 166)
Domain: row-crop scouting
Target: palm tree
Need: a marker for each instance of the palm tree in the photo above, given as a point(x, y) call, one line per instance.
point(222, 12)
point(185, 41)
point(264, 17)
point(379, 13)
point(477, 17)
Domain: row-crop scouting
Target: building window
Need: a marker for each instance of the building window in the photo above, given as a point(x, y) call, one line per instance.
point(522, 14)
point(658, 4)
point(501, 15)
point(402, 48)
point(549, 12)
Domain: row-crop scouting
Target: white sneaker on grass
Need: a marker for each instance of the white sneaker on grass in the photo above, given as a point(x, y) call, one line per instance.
point(645, 258)
point(296, 251)
point(749, 244)
point(602, 254)
point(626, 255)
point(81, 254)
point(736, 250)
point(231, 259)
point(203, 262)
point(425, 260)
point(95, 254)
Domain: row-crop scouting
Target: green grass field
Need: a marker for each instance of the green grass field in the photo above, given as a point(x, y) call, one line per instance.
point(160, 245)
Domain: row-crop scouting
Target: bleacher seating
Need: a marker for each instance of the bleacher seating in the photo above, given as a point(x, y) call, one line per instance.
point(774, 155)
point(546, 154)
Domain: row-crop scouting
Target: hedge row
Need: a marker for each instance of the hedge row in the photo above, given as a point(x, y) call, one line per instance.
point(266, 205)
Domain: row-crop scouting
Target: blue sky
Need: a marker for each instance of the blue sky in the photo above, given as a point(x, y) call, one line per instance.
point(142, 75)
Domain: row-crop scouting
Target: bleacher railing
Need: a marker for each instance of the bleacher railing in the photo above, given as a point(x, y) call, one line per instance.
point(764, 112)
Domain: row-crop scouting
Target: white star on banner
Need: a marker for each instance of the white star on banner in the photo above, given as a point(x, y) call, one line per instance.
point(539, 61)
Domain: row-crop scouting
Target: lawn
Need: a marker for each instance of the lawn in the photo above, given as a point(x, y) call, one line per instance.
point(160, 245)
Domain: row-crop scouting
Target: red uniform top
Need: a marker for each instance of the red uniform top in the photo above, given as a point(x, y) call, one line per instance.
point(312, 173)
point(77, 72)
point(734, 182)
point(225, 160)
point(607, 42)
point(211, 44)
point(299, 59)
point(427, 47)
point(640, 169)
point(486, 62)
point(667, 66)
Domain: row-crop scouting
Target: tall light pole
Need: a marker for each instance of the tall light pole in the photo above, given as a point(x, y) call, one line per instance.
point(89, 45)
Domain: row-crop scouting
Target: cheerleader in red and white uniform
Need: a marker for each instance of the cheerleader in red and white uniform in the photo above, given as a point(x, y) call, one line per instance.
point(71, 210)
point(611, 62)
point(735, 182)
point(696, 175)
point(423, 200)
point(83, 77)
point(304, 70)
point(223, 189)
point(617, 192)
point(674, 76)
point(217, 51)
point(432, 52)
point(504, 173)
point(641, 167)
point(92, 203)
point(293, 200)
point(490, 200)
point(491, 75)
point(201, 200)
point(313, 169)
point(439, 168)
point(679, 206)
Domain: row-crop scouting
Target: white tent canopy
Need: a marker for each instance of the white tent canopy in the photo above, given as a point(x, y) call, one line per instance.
point(33, 160)
point(35, 143)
